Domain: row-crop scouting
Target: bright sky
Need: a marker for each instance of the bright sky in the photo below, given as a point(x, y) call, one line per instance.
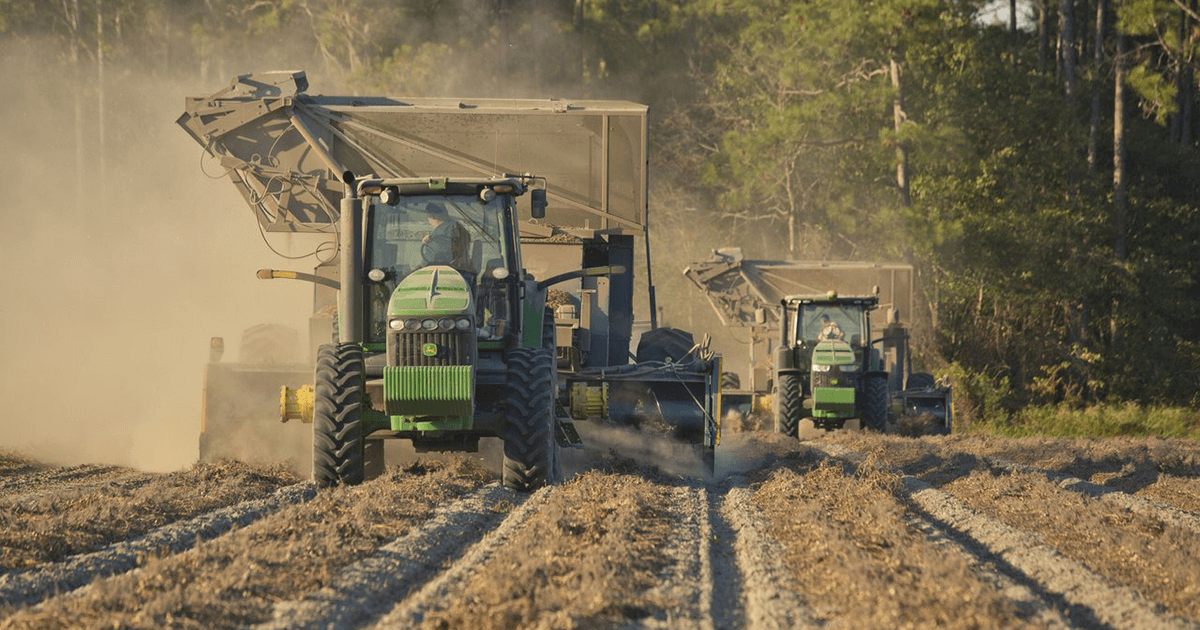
point(996, 12)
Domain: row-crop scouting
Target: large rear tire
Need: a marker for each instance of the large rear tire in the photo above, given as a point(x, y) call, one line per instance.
point(875, 401)
point(787, 404)
point(337, 415)
point(530, 449)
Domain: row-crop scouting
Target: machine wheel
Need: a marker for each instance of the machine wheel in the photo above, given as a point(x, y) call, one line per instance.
point(875, 402)
point(730, 380)
point(548, 337)
point(663, 344)
point(373, 463)
point(337, 415)
point(920, 380)
point(530, 450)
point(787, 404)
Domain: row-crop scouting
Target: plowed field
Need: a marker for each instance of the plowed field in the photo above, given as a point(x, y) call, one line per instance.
point(846, 530)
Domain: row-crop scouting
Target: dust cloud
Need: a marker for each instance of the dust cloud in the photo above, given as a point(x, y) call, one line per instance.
point(115, 282)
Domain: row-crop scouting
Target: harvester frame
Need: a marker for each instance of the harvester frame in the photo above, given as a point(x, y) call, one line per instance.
point(296, 160)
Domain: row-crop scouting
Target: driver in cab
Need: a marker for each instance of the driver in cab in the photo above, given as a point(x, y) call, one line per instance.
point(448, 242)
point(830, 329)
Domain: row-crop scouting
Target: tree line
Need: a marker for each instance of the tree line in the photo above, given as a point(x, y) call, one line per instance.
point(1035, 160)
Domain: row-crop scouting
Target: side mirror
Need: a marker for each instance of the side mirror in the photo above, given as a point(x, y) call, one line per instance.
point(537, 203)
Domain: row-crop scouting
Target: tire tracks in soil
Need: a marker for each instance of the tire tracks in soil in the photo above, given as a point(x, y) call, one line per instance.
point(32, 587)
point(412, 610)
point(234, 580)
point(1162, 512)
point(1088, 598)
point(368, 588)
point(619, 546)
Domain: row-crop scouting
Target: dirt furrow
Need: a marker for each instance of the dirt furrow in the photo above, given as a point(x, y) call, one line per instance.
point(1029, 603)
point(1090, 599)
point(855, 560)
point(1164, 470)
point(30, 479)
point(126, 481)
point(367, 589)
point(1158, 560)
point(1162, 512)
point(236, 579)
point(610, 549)
point(68, 521)
point(31, 587)
point(414, 609)
point(767, 603)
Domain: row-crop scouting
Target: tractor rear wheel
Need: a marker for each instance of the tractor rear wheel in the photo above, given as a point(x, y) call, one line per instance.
point(530, 448)
point(875, 403)
point(337, 415)
point(787, 404)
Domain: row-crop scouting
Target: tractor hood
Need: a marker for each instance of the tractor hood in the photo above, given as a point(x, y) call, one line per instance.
point(437, 290)
point(833, 352)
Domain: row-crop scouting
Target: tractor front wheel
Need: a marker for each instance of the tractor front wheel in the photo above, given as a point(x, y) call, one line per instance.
point(530, 449)
point(787, 404)
point(337, 415)
point(875, 403)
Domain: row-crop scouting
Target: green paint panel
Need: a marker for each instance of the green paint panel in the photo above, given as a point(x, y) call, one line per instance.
point(410, 423)
point(833, 353)
point(429, 391)
point(455, 304)
point(432, 291)
point(833, 402)
point(531, 327)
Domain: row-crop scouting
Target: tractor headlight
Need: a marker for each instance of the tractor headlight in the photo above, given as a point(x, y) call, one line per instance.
point(412, 324)
point(446, 323)
point(396, 324)
point(428, 324)
point(463, 323)
point(821, 368)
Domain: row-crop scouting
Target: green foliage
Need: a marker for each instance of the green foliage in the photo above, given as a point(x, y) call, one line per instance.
point(979, 396)
point(1096, 421)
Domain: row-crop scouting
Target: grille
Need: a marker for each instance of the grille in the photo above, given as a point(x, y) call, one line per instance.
point(823, 379)
point(452, 348)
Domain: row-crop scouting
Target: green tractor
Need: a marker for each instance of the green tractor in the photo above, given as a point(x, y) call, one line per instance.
point(442, 338)
point(461, 313)
point(827, 369)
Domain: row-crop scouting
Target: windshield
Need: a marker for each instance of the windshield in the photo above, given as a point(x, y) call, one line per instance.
point(830, 321)
point(455, 230)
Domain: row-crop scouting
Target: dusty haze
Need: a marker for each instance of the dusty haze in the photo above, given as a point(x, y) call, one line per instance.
point(108, 304)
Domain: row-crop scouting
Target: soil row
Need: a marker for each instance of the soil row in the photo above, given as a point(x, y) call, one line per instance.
point(846, 530)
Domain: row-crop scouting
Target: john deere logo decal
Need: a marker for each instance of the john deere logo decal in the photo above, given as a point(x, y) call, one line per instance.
point(429, 349)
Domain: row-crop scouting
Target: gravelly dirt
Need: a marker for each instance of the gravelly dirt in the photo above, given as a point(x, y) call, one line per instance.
point(845, 530)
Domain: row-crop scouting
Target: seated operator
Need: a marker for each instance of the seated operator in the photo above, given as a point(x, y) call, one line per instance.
point(448, 243)
point(830, 329)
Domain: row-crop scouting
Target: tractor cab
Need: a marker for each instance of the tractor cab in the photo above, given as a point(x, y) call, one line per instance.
point(458, 235)
point(828, 369)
